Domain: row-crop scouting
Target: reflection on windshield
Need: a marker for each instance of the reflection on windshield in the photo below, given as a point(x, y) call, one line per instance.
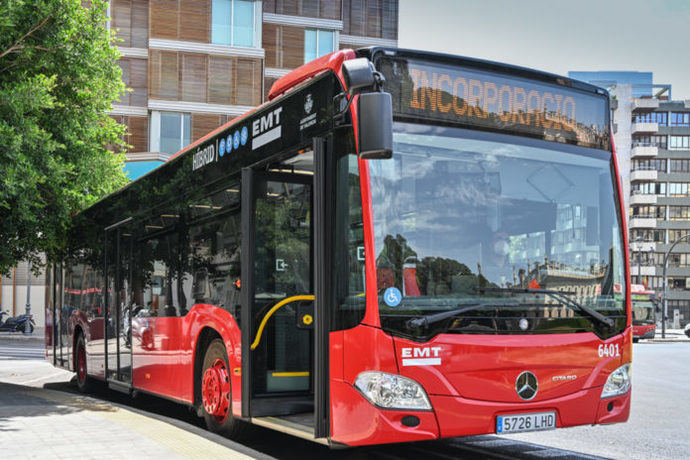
point(453, 214)
point(643, 311)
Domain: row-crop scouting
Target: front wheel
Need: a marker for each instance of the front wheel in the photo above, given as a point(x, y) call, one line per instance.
point(84, 382)
point(216, 393)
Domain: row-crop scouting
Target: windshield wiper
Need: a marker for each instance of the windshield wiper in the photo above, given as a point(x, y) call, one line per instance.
point(425, 321)
point(561, 296)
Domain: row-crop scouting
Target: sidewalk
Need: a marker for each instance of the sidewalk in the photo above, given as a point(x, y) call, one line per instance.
point(42, 423)
point(672, 335)
point(37, 335)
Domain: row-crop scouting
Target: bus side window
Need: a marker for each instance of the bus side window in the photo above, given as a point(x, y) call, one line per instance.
point(214, 260)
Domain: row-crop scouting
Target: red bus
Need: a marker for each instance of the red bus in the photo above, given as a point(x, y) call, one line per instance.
point(643, 305)
point(397, 246)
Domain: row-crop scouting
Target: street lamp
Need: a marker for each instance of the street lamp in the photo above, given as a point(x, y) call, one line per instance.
point(663, 279)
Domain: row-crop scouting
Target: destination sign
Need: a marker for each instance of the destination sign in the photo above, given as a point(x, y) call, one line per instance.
point(475, 98)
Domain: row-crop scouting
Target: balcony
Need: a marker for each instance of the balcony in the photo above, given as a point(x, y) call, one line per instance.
point(638, 198)
point(644, 151)
point(642, 247)
point(642, 222)
point(645, 104)
point(644, 175)
point(643, 270)
point(644, 128)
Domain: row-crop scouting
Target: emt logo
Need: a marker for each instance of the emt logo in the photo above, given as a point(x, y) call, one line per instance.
point(421, 356)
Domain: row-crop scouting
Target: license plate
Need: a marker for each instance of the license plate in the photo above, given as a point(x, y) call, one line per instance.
point(517, 423)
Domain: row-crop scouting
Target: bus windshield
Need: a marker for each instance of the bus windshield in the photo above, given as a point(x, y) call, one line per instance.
point(642, 310)
point(525, 232)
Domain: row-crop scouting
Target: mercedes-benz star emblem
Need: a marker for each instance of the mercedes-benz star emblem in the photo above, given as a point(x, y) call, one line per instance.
point(526, 385)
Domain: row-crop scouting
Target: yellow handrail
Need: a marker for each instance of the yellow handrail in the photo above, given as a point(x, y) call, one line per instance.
point(275, 308)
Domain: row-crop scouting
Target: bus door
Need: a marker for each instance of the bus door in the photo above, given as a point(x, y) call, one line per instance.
point(118, 321)
point(277, 307)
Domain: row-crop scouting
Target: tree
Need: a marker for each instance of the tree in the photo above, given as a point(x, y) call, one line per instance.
point(58, 78)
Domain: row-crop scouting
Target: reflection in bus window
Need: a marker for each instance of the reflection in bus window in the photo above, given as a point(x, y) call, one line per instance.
point(167, 285)
point(454, 216)
point(215, 262)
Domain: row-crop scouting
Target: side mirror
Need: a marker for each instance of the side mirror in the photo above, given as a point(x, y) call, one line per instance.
point(375, 122)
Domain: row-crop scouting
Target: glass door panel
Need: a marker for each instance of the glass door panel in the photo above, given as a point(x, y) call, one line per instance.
point(282, 342)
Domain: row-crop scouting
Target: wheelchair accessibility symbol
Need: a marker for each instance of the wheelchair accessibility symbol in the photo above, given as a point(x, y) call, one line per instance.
point(392, 296)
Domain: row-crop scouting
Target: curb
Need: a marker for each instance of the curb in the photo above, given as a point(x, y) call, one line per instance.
point(21, 336)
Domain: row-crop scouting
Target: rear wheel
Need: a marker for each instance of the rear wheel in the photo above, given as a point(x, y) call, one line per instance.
point(216, 393)
point(84, 382)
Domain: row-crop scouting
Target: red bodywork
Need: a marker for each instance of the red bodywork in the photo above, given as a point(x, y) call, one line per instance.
point(473, 382)
point(641, 330)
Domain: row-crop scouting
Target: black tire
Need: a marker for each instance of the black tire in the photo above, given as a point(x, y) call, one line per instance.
point(635, 340)
point(230, 427)
point(84, 382)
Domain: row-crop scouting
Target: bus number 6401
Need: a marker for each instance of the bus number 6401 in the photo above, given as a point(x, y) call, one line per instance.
point(609, 350)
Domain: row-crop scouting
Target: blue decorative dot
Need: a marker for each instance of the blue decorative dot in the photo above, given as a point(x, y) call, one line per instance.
point(236, 140)
point(244, 135)
point(221, 147)
point(392, 296)
point(229, 143)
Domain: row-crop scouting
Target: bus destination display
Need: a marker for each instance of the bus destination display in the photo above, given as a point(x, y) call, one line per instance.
point(464, 96)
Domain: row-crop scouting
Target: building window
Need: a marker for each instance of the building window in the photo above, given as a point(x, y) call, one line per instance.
point(678, 213)
point(648, 211)
point(649, 188)
point(680, 166)
point(651, 117)
point(653, 164)
point(175, 132)
point(678, 189)
point(317, 43)
point(680, 118)
point(232, 22)
point(679, 143)
point(649, 141)
point(647, 235)
point(675, 235)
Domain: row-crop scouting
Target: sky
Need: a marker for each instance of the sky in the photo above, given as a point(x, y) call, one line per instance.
point(559, 35)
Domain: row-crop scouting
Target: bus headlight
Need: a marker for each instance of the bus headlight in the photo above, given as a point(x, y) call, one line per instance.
point(618, 382)
point(390, 391)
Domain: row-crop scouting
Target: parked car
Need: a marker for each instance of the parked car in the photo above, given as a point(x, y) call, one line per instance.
point(687, 329)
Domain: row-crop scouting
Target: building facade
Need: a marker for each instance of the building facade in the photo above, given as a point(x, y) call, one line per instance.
point(193, 65)
point(652, 139)
point(659, 204)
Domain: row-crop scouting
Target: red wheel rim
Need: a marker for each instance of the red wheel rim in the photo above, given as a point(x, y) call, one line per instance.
point(215, 390)
point(81, 363)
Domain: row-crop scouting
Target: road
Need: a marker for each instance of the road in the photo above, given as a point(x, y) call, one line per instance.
point(658, 425)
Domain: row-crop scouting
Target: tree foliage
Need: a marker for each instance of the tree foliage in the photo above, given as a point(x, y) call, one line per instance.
point(58, 78)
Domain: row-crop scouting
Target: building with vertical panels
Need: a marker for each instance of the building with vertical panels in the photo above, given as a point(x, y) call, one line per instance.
point(652, 138)
point(193, 65)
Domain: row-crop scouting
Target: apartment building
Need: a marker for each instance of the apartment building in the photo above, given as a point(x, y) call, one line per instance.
point(193, 65)
point(652, 138)
point(659, 205)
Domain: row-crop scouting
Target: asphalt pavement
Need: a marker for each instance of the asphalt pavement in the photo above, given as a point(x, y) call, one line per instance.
point(39, 407)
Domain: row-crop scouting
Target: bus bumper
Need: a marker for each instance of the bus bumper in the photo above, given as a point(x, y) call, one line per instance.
point(458, 416)
point(358, 422)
